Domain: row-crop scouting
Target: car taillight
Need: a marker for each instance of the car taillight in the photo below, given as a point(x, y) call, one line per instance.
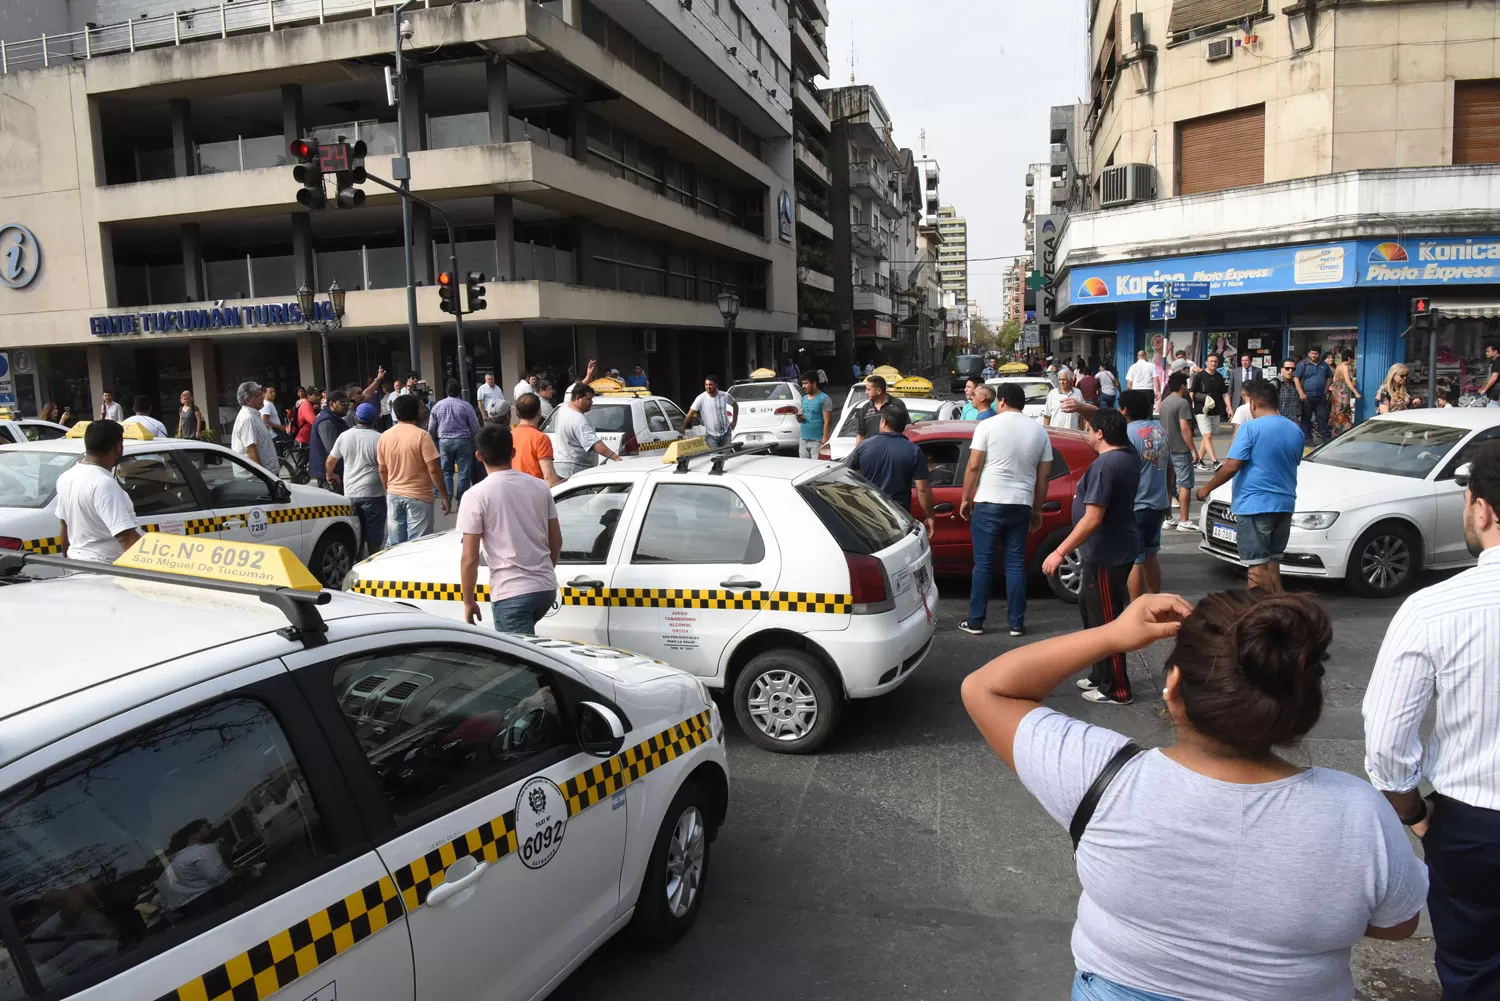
point(867, 584)
point(786, 411)
point(7, 542)
point(826, 452)
point(628, 444)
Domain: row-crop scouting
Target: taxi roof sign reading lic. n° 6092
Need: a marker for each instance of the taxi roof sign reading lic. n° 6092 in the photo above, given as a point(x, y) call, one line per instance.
point(233, 562)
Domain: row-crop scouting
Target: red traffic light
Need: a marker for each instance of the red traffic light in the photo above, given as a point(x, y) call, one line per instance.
point(1421, 307)
point(445, 279)
point(304, 150)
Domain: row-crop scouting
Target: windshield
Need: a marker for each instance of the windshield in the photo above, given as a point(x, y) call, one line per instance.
point(29, 479)
point(1400, 448)
point(752, 392)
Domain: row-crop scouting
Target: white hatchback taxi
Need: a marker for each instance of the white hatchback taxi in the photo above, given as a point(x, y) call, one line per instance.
point(768, 412)
point(789, 583)
point(294, 795)
point(631, 422)
point(1377, 505)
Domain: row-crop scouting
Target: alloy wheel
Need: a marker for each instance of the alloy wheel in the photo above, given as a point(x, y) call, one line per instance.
point(335, 564)
point(685, 852)
point(1070, 574)
point(1385, 561)
point(783, 705)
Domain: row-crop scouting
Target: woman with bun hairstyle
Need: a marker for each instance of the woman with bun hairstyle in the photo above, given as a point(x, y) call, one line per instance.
point(1212, 868)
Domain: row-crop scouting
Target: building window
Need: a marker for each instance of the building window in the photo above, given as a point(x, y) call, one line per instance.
point(1218, 152)
point(1191, 18)
point(1476, 121)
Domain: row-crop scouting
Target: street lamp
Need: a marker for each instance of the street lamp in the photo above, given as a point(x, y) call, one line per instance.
point(729, 309)
point(307, 300)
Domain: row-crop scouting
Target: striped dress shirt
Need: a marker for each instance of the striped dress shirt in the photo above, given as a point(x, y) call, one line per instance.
point(1445, 641)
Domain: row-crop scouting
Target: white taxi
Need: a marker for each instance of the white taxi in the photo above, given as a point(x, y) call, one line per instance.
point(768, 412)
point(295, 795)
point(630, 422)
point(1035, 387)
point(30, 429)
point(184, 487)
point(789, 583)
point(919, 409)
point(1376, 505)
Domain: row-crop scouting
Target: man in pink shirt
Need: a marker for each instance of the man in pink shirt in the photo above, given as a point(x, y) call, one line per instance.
point(511, 515)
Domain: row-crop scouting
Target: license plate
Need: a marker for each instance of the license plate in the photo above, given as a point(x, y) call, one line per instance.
point(924, 579)
point(1224, 532)
point(755, 437)
point(903, 582)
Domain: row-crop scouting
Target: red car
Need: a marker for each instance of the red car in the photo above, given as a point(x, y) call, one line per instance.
point(946, 444)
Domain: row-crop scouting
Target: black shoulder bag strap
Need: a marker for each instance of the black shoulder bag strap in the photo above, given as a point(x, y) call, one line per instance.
point(1090, 801)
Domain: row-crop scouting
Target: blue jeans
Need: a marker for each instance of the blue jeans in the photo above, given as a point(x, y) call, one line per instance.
point(406, 519)
point(1091, 987)
point(718, 440)
point(371, 514)
point(521, 613)
point(1315, 407)
point(993, 526)
point(1107, 401)
point(460, 452)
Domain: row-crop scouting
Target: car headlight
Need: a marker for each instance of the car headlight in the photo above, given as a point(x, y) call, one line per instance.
point(350, 579)
point(1314, 521)
point(708, 700)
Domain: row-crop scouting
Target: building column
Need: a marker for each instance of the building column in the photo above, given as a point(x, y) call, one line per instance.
point(587, 341)
point(505, 239)
point(430, 360)
point(205, 381)
point(510, 363)
point(573, 13)
point(421, 246)
point(302, 251)
point(101, 377)
point(292, 119)
point(192, 262)
point(1128, 339)
point(184, 154)
point(309, 359)
point(416, 108)
point(673, 356)
point(497, 90)
point(578, 119)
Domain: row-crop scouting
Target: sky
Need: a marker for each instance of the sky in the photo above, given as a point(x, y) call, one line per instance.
point(981, 77)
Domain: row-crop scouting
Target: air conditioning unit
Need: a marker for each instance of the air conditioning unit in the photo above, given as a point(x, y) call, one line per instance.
point(1219, 48)
point(645, 342)
point(1126, 184)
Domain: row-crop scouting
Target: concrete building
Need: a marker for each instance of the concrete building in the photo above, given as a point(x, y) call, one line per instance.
point(1319, 165)
point(868, 207)
point(611, 165)
point(1069, 158)
point(808, 24)
point(953, 269)
point(915, 285)
point(1013, 289)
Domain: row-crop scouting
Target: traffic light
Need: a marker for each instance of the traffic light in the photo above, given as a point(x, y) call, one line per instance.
point(1421, 307)
point(309, 173)
point(447, 294)
point(475, 290)
point(348, 164)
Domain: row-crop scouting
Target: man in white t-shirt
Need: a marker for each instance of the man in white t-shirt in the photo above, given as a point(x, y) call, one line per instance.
point(488, 391)
point(142, 416)
point(1056, 417)
point(357, 449)
point(98, 520)
point(577, 441)
point(1005, 486)
point(712, 407)
point(1141, 375)
point(269, 412)
point(250, 437)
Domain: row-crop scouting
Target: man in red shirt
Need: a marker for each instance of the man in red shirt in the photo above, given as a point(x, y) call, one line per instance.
point(307, 412)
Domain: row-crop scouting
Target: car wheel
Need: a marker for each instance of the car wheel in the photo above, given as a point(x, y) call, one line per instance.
point(1068, 583)
point(786, 703)
point(1385, 561)
point(677, 873)
point(332, 558)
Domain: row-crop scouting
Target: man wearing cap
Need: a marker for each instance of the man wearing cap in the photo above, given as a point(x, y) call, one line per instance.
point(356, 449)
point(326, 428)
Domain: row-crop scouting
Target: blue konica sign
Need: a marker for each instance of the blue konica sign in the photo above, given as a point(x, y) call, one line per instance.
point(1347, 264)
point(173, 321)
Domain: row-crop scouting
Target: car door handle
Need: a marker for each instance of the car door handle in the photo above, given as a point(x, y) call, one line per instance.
point(740, 583)
point(581, 582)
point(943, 508)
point(448, 891)
point(1052, 506)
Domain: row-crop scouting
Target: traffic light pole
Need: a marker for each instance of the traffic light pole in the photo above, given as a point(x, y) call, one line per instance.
point(407, 198)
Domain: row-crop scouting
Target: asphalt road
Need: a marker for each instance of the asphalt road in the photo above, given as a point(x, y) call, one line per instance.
point(905, 862)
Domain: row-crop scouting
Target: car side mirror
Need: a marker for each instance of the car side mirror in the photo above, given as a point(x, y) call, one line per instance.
point(1461, 475)
point(281, 492)
point(600, 731)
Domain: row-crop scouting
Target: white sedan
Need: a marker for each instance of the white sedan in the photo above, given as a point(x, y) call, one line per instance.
point(919, 409)
point(1035, 387)
point(768, 412)
point(1377, 505)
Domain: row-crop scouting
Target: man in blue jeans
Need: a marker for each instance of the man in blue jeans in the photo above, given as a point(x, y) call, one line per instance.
point(1005, 485)
point(510, 514)
point(454, 425)
point(1312, 377)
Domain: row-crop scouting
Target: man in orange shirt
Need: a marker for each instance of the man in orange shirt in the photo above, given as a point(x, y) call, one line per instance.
point(533, 448)
point(410, 471)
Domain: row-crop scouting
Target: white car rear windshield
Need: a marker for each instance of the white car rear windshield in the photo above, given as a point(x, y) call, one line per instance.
point(29, 479)
point(862, 519)
point(1396, 447)
point(762, 391)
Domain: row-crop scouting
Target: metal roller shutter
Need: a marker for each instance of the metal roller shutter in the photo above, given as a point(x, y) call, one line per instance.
point(1476, 121)
point(1222, 151)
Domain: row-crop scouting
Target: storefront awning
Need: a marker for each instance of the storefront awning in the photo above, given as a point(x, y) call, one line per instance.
point(1467, 310)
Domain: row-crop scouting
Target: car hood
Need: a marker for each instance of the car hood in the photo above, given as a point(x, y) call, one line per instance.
point(421, 552)
point(310, 495)
point(1333, 488)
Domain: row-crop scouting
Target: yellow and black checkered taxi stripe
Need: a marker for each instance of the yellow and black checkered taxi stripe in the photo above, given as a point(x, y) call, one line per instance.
point(814, 602)
point(273, 964)
point(654, 446)
point(215, 523)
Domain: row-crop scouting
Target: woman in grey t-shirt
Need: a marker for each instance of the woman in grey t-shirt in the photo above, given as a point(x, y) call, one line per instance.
point(1212, 869)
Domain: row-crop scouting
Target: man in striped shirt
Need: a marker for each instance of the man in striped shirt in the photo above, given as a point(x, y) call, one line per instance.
point(1445, 642)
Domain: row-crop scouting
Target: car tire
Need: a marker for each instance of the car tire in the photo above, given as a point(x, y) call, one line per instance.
point(785, 685)
point(1067, 583)
point(677, 869)
point(1385, 561)
point(332, 557)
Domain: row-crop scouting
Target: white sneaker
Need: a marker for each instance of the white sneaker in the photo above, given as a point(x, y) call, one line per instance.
point(1086, 685)
point(1186, 526)
point(1169, 524)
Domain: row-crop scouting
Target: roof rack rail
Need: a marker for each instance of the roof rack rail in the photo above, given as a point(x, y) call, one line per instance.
point(305, 624)
point(718, 456)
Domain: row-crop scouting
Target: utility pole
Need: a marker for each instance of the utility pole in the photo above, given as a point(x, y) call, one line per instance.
point(401, 168)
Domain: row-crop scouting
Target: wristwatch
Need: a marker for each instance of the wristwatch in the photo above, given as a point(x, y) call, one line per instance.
point(1421, 816)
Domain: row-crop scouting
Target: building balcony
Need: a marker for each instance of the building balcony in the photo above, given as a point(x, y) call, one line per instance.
point(808, 48)
point(816, 335)
point(873, 299)
point(816, 8)
point(808, 217)
point(814, 278)
point(808, 159)
point(805, 101)
point(866, 180)
point(868, 239)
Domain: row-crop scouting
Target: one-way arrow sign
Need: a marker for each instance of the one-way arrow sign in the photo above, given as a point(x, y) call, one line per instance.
point(1157, 290)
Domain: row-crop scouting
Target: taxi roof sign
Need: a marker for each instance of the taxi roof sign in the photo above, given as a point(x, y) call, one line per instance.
point(763, 373)
point(913, 386)
point(228, 562)
point(134, 430)
point(685, 448)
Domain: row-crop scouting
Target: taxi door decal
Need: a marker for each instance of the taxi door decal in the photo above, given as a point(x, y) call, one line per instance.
point(271, 965)
point(813, 602)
